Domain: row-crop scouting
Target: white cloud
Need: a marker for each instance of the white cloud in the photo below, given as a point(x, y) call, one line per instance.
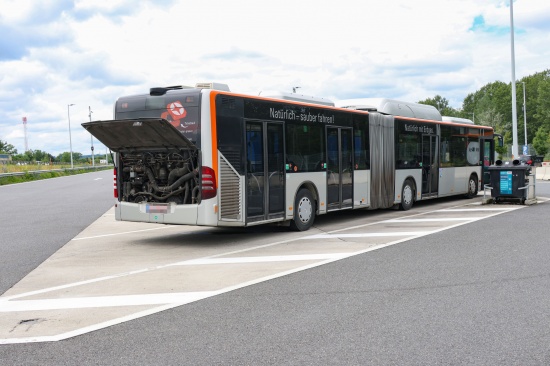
point(90, 52)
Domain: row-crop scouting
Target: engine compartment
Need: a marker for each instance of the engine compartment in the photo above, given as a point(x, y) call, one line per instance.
point(163, 177)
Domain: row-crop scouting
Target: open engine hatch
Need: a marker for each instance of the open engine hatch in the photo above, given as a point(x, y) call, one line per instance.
point(138, 134)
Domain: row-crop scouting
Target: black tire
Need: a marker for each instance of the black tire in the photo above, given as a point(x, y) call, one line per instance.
point(304, 211)
point(472, 187)
point(407, 196)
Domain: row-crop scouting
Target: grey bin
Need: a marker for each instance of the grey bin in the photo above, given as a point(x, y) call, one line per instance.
point(509, 181)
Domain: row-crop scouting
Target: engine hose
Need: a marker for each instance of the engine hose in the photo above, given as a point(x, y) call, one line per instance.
point(186, 196)
point(176, 184)
point(178, 172)
point(183, 179)
point(161, 198)
point(196, 195)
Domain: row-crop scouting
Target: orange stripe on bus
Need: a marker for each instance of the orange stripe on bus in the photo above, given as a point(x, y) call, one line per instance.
point(214, 135)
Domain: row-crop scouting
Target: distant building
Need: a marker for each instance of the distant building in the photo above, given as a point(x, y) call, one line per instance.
point(5, 157)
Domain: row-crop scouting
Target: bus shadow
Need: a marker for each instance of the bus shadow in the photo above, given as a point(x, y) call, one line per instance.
point(229, 237)
point(213, 237)
point(355, 217)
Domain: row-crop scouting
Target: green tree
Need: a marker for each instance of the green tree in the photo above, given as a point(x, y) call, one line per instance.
point(541, 141)
point(442, 105)
point(490, 117)
point(40, 155)
point(29, 155)
point(537, 91)
point(6, 148)
point(543, 104)
point(65, 157)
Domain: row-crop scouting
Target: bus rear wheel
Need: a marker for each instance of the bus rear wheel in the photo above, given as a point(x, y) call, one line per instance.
point(304, 211)
point(472, 187)
point(407, 196)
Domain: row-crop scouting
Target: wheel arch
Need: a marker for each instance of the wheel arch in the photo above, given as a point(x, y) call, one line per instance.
point(411, 179)
point(310, 186)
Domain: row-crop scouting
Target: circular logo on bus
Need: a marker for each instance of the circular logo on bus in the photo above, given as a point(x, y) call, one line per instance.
point(473, 153)
point(177, 109)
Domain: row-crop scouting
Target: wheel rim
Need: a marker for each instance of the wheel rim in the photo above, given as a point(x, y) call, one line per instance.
point(305, 209)
point(472, 186)
point(407, 194)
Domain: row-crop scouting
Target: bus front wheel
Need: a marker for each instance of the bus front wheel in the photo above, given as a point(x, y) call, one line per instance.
point(304, 211)
point(407, 196)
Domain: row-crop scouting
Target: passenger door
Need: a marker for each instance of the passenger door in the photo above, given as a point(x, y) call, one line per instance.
point(430, 165)
point(265, 171)
point(339, 168)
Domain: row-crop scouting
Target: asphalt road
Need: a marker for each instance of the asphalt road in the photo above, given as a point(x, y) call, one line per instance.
point(39, 217)
point(476, 294)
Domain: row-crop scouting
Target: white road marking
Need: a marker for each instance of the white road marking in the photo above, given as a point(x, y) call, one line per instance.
point(103, 301)
point(174, 300)
point(127, 232)
point(369, 235)
point(441, 219)
point(90, 328)
point(478, 209)
point(75, 284)
point(265, 259)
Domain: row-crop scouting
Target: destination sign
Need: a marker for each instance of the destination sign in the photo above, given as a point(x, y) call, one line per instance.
point(292, 115)
point(421, 129)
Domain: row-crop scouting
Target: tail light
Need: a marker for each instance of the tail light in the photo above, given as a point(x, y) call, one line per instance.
point(208, 183)
point(114, 184)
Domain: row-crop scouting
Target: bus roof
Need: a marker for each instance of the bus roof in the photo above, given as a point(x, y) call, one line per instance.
point(296, 97)
point(393, 107)
point(457, 120)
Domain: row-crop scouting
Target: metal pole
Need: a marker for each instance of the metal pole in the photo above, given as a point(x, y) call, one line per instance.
point(514, 108)
point(70, 138)
point(91, 136)
point(524, 113)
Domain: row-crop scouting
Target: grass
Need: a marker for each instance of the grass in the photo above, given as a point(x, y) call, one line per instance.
point(32, 175)
point(14, 168)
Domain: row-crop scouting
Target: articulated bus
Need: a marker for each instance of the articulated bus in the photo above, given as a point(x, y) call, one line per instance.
point(206, 156)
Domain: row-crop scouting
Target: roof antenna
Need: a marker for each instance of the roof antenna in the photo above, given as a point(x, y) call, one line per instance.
point(294, 88)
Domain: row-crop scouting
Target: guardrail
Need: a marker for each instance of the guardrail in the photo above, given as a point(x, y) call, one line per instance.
point(37, 172)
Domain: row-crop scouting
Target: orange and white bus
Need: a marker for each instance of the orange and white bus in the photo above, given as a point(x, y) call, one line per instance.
point(206, 156)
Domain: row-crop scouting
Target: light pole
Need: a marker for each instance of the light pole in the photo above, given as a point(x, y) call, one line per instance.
point(70, 137)
point(91, 136)
point(514, 110)
point(524, 116)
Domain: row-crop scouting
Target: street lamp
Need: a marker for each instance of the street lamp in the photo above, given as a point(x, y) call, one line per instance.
point(524, 117)
point(91, 136)
point(514, 110)
point(70, 138)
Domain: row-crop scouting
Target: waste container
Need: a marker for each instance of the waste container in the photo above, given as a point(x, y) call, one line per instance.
point(509, 181)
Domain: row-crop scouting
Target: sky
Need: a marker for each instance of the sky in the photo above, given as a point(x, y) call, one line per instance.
point(54, 53)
